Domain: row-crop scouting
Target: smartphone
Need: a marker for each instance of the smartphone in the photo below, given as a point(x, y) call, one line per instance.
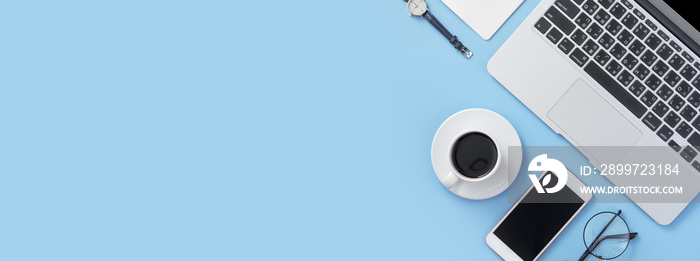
point(536, 219)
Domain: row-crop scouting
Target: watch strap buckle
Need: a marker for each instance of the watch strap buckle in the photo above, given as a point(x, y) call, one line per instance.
point(460, 47)
point(466, 52)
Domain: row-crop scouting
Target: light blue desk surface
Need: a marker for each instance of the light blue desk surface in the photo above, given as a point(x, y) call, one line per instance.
point(253, 130)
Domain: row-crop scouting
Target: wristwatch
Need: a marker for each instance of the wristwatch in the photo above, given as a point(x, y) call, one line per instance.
point(420, 8)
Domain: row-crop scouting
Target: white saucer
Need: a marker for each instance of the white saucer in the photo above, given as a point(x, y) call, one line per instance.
point(499, 130)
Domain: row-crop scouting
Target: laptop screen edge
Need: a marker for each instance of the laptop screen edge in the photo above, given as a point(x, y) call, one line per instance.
point(675, 23)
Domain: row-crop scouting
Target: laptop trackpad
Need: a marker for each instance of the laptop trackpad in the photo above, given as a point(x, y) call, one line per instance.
point(591, 121)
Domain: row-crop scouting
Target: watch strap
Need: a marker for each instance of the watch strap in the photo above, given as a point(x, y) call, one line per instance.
point(429, 16)
point(453, 39)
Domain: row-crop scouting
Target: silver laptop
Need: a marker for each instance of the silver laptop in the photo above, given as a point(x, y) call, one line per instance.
point(613, 73)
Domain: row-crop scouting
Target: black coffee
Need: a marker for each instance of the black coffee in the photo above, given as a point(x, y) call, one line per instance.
point(474, 155)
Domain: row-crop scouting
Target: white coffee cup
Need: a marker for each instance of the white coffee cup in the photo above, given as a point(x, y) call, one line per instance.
point(470, 153)
point(472, 168)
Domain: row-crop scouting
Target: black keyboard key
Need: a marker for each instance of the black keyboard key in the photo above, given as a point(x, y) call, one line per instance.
point(651, 121)
point(594, 31)
point(684, 88)
point(688, 153)
point(676, 102)
point(651, 25)
point(569, 8)
point(696, 165)
point(625, 78)
point(629, 21)
point(696, 83)
point(637, 47)
point(653, 82)
point(639, 14)
point(694, 99)
point(675, 46)
point(601, 57)
point(566, 46)
point(578, 37)
point(660, 68)
point(665, 92)
point(618, 10)
point(672, 119)
point(660, 109)
point(688, 113)
point(696, 124)
point(624, 97)
point(641, 31)
point(641, 71)
point(590, 47)
point(625, 37)
point(665, 133)
point(559, 20)
point(664, 51)
point(602, 16)
point(627, 4)
point(694, 139)
point(674, 145)
point(684, 129)
point(618, 51)
point(687, 56)
point(542, 25)
point(637, 88)
point(663, 35)
point(606, 41)
point(672, 78)
point(579, 57)
point(613, 68)
point(691, 150)
point(676, 62)
point(613, 27)
point(629, 61)
point(688, 72)
point(606, 3)
point(554, 35)
point(648, 98)
point(589, 6)
point(583, 20)
point(578, 2)
point(648, 58)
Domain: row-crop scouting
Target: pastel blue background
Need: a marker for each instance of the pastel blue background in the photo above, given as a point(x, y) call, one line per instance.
point(253, 130)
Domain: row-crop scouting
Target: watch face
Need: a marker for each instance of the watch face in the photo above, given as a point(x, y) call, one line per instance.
point(417, 7)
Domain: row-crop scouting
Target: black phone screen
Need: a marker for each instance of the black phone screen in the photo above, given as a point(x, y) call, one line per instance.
point(536, 220)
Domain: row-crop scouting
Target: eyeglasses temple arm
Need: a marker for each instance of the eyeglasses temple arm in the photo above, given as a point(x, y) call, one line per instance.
point(629, 236)
point(585, 253)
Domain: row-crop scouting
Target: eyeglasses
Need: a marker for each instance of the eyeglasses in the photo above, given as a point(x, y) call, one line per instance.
point(606, 236)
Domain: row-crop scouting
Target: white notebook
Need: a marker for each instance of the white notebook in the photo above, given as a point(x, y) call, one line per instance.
point(483, 16)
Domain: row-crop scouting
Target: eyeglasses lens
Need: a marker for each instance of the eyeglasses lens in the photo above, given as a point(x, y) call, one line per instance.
point(613, 240)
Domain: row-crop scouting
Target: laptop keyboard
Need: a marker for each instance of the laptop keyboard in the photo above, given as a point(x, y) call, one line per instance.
point(654, 76)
